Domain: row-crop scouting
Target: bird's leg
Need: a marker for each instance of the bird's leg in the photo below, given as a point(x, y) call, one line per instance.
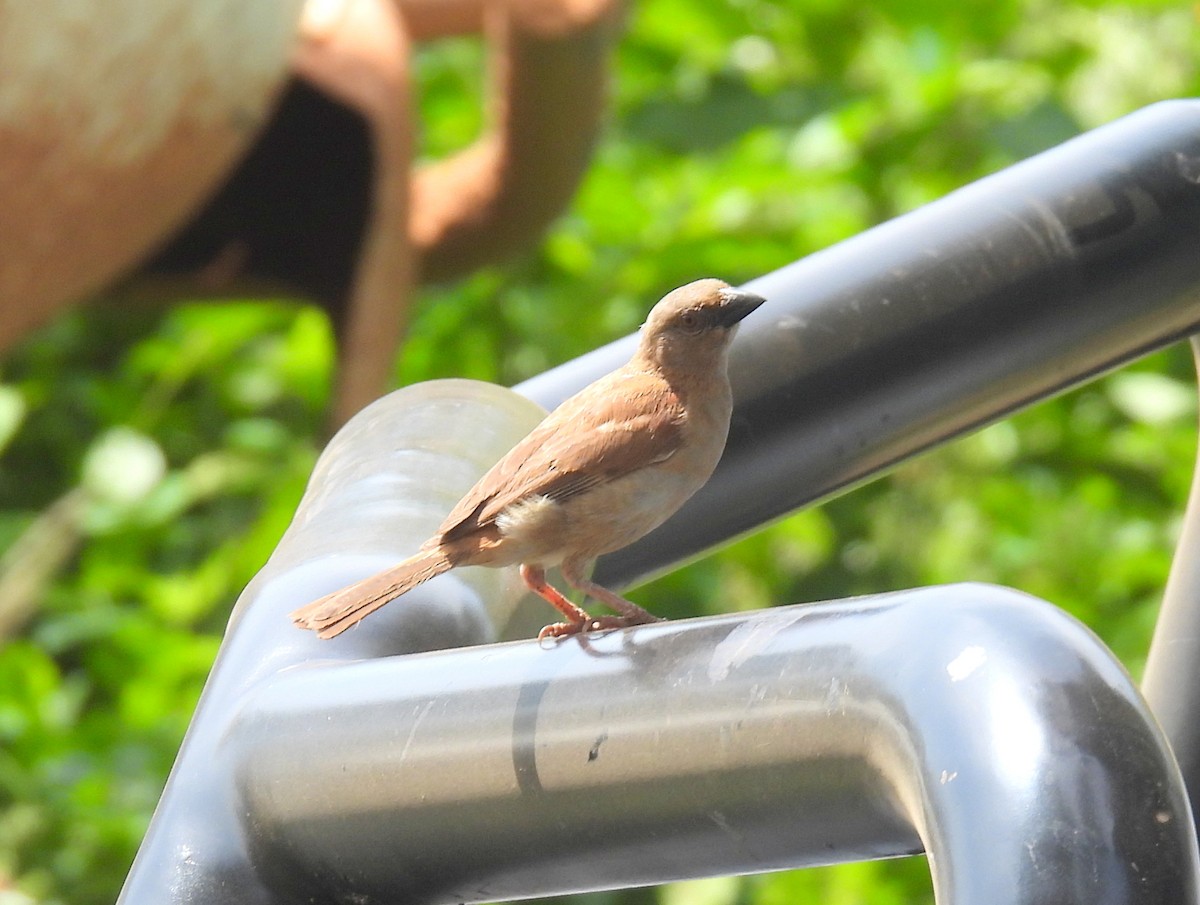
point(578, 619)
point(630, 612)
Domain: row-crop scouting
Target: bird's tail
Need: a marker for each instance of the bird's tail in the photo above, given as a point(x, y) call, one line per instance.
point(336, 612)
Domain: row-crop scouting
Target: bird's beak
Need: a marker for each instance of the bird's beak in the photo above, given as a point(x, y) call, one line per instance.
point(736, 304)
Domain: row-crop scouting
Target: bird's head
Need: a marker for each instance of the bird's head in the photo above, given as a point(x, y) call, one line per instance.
point(692, 326)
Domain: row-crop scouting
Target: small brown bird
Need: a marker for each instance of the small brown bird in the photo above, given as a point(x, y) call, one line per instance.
point(604, 468)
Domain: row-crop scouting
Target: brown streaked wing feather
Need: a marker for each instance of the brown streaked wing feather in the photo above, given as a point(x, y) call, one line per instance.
point(617, 425)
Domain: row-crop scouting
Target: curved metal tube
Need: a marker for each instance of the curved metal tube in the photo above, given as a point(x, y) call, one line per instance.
point(383, 483)
point(1172, 678)
point(1012, 747)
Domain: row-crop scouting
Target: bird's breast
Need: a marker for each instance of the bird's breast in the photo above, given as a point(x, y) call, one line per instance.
point(618, 509)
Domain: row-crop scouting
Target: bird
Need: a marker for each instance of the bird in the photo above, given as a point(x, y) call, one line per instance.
point(606, 467)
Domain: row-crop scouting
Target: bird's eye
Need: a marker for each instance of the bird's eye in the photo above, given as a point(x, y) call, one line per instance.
point(691, 321)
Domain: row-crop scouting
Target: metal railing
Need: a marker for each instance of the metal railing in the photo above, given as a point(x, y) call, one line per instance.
point(978, 725)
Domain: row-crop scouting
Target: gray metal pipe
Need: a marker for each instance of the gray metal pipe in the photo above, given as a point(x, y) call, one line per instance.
point(380, 487)
point(983, 726)
point(1172, 678)
point(1011, 289)
point(1000, 294)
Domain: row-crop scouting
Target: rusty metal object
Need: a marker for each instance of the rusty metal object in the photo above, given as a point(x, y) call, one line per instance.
point(99, 170)
point(116, 119)
point(549, 83)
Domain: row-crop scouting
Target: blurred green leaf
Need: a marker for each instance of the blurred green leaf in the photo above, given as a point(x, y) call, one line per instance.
point(1153, 399)
point(12, 413)
point(122, 467)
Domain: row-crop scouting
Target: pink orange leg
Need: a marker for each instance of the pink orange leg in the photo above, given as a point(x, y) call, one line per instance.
point(631, 613)
point(577, 619)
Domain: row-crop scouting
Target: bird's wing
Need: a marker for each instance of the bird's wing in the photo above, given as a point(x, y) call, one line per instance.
point(617, 425)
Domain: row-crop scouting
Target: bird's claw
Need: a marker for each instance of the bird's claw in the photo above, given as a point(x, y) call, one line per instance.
point(563, 629)
point(592, 624)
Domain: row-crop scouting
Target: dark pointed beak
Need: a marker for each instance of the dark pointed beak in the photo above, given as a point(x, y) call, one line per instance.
point(736, 304)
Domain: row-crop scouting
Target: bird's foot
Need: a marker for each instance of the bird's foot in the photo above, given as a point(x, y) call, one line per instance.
point(563, 629)
point(560, 630)
point(595, 624)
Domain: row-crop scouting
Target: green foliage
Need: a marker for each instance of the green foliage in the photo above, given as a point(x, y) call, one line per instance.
point(159, 459)
point(151, 461)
